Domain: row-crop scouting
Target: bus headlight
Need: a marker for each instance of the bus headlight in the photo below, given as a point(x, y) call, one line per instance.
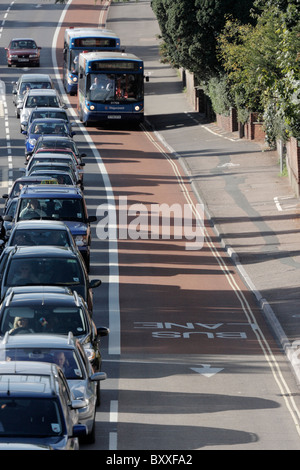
point(92, 107)
point(74, 79)
point(137, 108)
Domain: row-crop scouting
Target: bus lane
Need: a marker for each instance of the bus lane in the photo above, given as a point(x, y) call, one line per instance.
point(198, 367)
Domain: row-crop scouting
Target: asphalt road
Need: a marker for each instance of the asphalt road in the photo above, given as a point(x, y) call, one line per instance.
point(191, 363)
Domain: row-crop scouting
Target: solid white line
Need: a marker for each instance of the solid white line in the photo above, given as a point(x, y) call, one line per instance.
point(114, 343)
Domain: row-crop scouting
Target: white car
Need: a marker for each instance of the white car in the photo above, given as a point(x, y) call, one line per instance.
point(38, 98)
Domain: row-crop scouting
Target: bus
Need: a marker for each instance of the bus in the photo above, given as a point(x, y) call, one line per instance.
point(110, 87)
point(77, 40)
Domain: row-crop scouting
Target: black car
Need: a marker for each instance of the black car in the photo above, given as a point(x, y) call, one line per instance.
point(48, 265)
point(55, 310)
point(41, 232)
point(43, 412)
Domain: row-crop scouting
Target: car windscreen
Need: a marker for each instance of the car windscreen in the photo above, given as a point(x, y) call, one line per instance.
point(30, 417)
point(66, 209)
point(43, 100)
point(39, 236)
point(48, 114)
point(66, 359)
point(61, 271)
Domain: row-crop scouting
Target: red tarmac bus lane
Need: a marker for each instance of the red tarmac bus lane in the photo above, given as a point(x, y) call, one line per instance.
point(172, 300)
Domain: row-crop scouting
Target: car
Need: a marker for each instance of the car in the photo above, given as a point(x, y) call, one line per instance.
point(59, 142)
point(8, 215)
point(48, 112)
point(26, 82)
point(53, 310)
point(69, 168)
point(45, 157)
point(65, 151)
point(37, 406)
point(48, 265)
point(41, 232)
point(45, 126)
point(68, 353)
point(61, 177)
point(56, 155)
point(59, 203)
point(19, 183)
point(23, 51)
point(38, 98)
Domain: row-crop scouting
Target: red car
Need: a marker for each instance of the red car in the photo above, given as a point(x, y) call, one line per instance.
point(23, 52)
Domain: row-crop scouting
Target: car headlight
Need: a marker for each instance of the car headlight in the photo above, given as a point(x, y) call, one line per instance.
point(32, 141)
point(13, 56)
point(81, 240)
point(90, 353)
point(31, 56)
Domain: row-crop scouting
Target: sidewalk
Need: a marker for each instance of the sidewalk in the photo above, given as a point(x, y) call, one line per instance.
point(251, 206)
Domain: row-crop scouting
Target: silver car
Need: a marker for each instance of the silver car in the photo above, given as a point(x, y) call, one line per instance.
point(38, 98)
point(26, 82)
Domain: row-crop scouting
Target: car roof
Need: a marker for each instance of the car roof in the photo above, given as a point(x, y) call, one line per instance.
point(47, 224)
point(27, 296)
point(38, 340)
point(49, 120)
point(42, 91)
point(43, 109)
point(51, 165)
point(22, 39)
point(22, 386)
point(45, 155)
point(57, 137)
point(48, 251)
point(43, 191)
point(35, 77)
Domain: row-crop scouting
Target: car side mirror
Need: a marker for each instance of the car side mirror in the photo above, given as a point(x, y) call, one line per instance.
point(102, 331)
point(95, 283)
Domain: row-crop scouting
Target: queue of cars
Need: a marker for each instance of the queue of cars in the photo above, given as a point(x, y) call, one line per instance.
point(50, 355)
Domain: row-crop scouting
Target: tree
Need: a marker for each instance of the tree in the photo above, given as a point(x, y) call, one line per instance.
point(262, 64)
point(190, 28)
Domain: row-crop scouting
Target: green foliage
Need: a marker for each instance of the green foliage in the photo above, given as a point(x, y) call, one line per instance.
point(262, 64)
point(219, 92)
point(190, 28)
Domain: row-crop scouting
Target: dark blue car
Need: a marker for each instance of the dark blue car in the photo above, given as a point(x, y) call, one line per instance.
point(58, 202)
point(45, 126)
point(44, 413)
